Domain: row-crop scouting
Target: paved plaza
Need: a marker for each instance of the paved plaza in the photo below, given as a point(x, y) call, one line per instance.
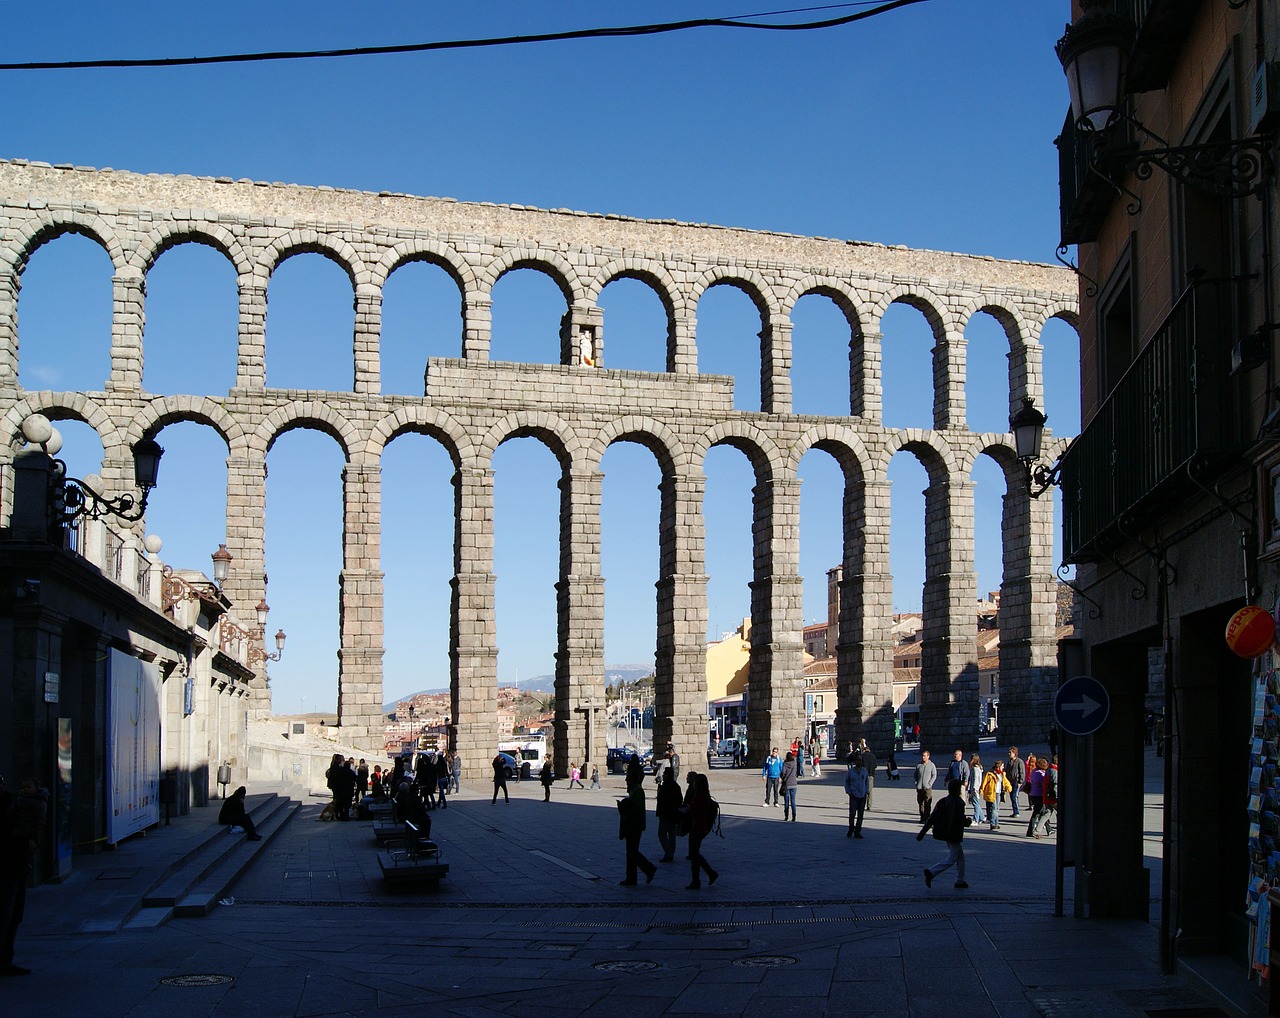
point(531, 919)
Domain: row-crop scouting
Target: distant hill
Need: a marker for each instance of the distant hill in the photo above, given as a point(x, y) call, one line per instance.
point(543, 683)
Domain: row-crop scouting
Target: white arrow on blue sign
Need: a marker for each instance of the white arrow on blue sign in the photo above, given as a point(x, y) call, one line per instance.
point(1082, 705)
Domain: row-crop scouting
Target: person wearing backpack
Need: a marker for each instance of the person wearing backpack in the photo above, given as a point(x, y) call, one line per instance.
point(1049, 802)
point(704, 811)
point(668, 807)
point(948, 820)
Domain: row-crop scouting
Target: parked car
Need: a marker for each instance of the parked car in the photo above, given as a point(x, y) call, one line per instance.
point(727, 747)
point(615, 760)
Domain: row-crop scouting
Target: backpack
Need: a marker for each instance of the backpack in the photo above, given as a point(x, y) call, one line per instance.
point(713, 824)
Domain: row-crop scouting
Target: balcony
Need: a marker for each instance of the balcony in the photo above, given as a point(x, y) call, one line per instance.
point(1163, 27)
point(1176, 406)
point(1084, 190)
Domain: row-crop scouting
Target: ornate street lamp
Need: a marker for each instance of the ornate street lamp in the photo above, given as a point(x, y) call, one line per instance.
point(1027, 426)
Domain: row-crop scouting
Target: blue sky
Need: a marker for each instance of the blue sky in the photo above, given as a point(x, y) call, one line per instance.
point(930, 126)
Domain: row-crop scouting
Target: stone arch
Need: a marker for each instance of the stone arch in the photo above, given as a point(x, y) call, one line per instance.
point(63, 406)
point(552, 263)
point(49, 226)
point(551, 429)
point(840, 293)
point(933, 452)
point(749, 281)
point(165, 410)
point(767, 460)
point(844, 444)
point(296, 242)
point(444, 428)
point(432, 252)
point(649, 271)
point(1010, 318)
point(308, 414)
point(655, 436)
point(169, 235)
point(1067, 311)
point(916, 295)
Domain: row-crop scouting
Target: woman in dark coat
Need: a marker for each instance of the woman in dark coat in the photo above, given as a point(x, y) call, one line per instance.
point(233, 815)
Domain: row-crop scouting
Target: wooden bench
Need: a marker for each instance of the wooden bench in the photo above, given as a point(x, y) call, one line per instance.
point(415, 860)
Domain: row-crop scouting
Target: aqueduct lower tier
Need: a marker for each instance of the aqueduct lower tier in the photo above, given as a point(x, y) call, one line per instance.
point(472, 405)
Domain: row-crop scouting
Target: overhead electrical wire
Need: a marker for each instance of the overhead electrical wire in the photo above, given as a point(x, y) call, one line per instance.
point(510, 40)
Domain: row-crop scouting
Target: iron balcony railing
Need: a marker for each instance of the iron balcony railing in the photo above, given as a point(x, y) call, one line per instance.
point(1088, 161)
point(1175, 406)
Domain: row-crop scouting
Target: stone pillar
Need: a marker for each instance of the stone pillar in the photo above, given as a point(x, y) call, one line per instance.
point(9, 285)
point(948, 382)
point(368, 370)
point(775, 367)
point(775, 711)
point(477, 330)
point(360, 607)
point(680, 684)
point(1025, 378)
point(864, 649)
point(682, 345)
point(128, 296)
point(1028, 609)
point(473, 648)
point(866, 395)
point(949, 651)
point(251, 357)
point(246, 578)
point(581, 332)
point(580, 620)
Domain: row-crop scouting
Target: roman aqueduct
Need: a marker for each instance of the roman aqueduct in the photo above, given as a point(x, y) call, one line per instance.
point(578, 408)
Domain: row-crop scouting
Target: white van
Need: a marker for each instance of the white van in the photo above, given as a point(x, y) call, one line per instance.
point(532, 755)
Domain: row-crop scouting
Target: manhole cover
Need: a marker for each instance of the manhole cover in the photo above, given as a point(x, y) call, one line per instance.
point(765, 961)
point(630, 967)
point(198, 979)
point(697, 931)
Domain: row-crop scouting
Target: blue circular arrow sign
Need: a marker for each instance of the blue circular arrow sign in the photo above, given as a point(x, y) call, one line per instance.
point(1081, 706)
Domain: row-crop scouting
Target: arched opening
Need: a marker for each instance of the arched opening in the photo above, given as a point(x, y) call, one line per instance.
point(986, 375)
point(421, 318)
point(310, 325)
point(526, 562)
point(188, 508)
point(64, 317)
point(906, 348)
point(636, 326)
point(191, 330)
point(908, 479)
point(729, 327)
point(822, 552)
point(527, 312)
point(821, 340)
point(1060, 371)
point(303, 552)
point(417, 565)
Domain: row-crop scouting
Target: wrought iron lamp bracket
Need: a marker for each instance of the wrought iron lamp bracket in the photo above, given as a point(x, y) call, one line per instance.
point(72, 499)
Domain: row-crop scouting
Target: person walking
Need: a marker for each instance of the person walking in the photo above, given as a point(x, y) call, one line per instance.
point(948, 821)
point(673, 760)
point(1016, 771)
point(595, 776)
point(815, 758)
point(926, 775)
point(770, 774)
point(575, 776)
point(547, 776)
point(631, 824)
point(22, 822)
point(957, 770)
point(233, 814)
point(443, 779)
point(703, 811)
point(455, 769)
point(1035, 793)
point(667, 808)
point(789, 778)
point(855, 787)
point(869, 764)
point(1048, 799)
point(994, 786)
point(973, 787)
point(499, 780)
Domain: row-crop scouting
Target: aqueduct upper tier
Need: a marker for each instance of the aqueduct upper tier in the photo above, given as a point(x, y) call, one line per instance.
point(579, 407)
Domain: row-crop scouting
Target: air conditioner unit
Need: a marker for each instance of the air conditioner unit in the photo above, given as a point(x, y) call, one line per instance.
point(1264, 97)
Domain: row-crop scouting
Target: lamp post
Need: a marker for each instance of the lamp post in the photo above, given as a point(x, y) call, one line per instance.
point(174, 588)
point(1094, 52)
point(71, 498)
point(1027, 425)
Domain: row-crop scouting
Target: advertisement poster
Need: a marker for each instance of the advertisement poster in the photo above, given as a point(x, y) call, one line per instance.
point(133, 746)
